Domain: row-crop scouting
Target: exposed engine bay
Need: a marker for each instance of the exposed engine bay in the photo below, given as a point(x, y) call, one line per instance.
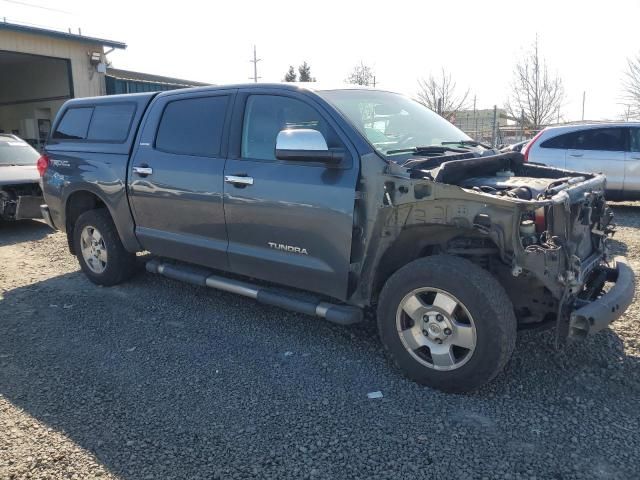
point(505, 183)
point(501, 175)
point(540, 226)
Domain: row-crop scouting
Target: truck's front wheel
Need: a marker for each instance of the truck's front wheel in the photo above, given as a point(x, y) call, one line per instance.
point(100, 252)
point(447, 323)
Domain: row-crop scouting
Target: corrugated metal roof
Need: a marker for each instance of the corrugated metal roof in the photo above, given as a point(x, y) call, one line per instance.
point(63, 35)
point(148, 78)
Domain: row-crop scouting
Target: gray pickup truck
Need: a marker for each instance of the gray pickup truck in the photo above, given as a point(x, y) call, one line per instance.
point(335, 202)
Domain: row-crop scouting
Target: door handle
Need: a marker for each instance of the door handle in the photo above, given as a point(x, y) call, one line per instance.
point(576, 154)
point(143, 171)
point(238, 180)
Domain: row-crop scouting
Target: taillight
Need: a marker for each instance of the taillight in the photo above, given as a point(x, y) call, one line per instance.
point(540, 220)
point(527, 147)
point(43, 164)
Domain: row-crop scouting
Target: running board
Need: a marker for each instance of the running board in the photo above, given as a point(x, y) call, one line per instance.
point(340, 314)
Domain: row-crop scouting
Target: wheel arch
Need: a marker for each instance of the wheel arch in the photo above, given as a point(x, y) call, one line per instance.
point(84, 199)
point(411, 244)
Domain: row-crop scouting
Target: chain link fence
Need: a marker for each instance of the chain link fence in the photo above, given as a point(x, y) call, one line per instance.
point(492, 126)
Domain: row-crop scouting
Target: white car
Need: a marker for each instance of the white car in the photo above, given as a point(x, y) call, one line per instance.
point(609, 148)
point(20, 194)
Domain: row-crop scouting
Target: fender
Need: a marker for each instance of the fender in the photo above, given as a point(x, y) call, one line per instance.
point(116, 203)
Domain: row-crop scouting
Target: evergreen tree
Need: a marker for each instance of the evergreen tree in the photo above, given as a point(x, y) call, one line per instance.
point(291, 75)
point(305, 73)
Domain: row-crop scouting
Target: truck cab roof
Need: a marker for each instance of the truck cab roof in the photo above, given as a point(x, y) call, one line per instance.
point(109, 124)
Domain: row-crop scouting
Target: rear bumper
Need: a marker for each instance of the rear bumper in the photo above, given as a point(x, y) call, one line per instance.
point(46, 215)
point(598, 314)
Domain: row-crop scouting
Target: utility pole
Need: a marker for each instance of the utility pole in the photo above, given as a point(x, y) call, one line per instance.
point(255, 66)
point(475, 120)
point(374, 81)
point(494, 133)
point(584, 95)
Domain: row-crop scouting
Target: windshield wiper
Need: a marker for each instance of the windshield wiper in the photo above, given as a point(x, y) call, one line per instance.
point(428, 149)
point(471, 143)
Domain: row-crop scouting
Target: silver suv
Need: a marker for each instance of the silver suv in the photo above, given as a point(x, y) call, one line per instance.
point(609, 148)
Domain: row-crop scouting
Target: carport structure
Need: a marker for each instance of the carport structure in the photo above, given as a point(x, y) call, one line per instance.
point(40, 69)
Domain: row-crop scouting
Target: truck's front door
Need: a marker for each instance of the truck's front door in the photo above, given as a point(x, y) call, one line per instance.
point(288, 222)
point(176, 176)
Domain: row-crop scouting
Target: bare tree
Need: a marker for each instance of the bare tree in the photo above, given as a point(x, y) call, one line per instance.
point(361, 75)
point(626, 114)
point(536, 95)
point(631, 86)
point(439, 94)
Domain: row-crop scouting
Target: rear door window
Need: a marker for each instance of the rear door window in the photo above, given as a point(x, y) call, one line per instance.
point(74, 124)
point(193, 126)
point(563, 142)
point(111, 123)
point(604, 139)
point(634, 139)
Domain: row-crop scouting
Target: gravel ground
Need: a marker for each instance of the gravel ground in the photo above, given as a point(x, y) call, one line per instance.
point(156, 379)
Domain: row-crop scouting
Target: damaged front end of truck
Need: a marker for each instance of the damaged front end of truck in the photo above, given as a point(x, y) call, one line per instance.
point(542, 231)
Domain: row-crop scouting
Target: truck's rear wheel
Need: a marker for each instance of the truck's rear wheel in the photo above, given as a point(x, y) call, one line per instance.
point(447, 323)
point(100, 252)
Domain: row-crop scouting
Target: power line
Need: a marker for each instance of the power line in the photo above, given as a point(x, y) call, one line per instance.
point(32, 5)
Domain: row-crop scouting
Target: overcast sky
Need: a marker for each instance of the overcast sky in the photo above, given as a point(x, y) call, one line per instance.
point(586, 42)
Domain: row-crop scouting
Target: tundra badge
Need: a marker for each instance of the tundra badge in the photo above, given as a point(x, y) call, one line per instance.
point(287, 248)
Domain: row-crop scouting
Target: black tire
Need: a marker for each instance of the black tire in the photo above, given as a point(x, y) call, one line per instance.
point(484, 299)
point(120, 265)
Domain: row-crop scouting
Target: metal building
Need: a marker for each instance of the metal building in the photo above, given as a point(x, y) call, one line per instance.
point(125, 81)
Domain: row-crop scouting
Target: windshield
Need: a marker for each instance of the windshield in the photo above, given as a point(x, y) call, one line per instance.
point(14, 151)
point(391, 121)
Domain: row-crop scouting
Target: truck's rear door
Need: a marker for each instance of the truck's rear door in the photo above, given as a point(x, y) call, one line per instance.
point(176, 177)
point(288, 222)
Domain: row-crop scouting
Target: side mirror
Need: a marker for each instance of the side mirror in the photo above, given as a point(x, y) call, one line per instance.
point(305, 145)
